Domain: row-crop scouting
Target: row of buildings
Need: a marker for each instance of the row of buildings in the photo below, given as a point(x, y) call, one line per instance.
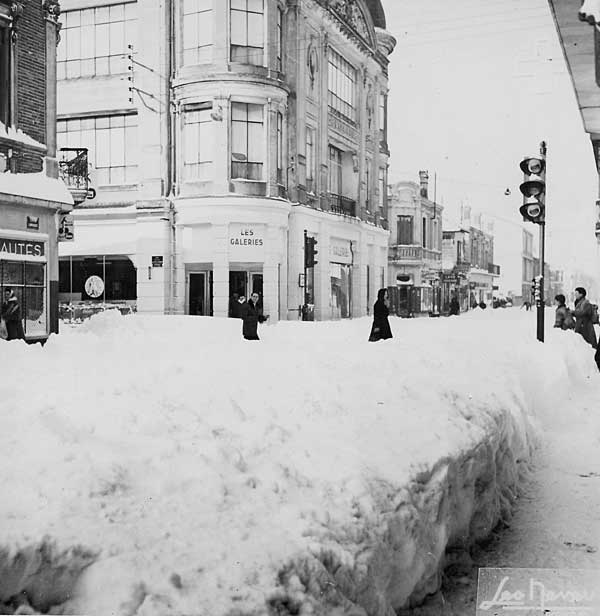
point(201, 142)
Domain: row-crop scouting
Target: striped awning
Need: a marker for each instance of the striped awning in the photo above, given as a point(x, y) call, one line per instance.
point(590, 12)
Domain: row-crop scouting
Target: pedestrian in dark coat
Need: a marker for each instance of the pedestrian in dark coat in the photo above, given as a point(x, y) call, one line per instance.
point(381, 329)
point(564, 318)
point(11, 313)
point(454, 305)
point(583, 317)
point(252, 316)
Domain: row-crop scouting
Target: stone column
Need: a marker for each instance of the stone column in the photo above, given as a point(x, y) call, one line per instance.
point(271, 274)
point(220, 271)
point(179, 287)
point(322, 277)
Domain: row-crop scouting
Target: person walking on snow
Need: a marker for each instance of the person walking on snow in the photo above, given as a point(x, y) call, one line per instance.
point(381, 329)
point(251, 317)
point(564, 318)
point(454, 305)
point(11, 313)
point(583, 317)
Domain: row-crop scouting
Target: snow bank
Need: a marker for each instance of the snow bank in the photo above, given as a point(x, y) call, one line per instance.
point(309, 473)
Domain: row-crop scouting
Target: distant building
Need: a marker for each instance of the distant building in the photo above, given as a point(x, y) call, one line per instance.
point(247, 124)
point(456, 263)
point(483, 272)
point(34, 203)
point(529, 269)
point(415, 253)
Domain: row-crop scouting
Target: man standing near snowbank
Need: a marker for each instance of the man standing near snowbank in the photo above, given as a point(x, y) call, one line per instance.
point(583, 317)
point(252, 316)
point(11, 313)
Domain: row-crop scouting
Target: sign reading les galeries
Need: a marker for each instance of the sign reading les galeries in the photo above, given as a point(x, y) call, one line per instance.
point(21, 248)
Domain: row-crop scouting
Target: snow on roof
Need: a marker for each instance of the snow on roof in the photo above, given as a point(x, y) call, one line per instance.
point(35, 186)
point(16, 134)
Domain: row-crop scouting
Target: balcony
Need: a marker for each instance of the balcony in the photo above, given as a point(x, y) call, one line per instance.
point(493, 269)
point(399, 252)
point(73, 170)
point(342, 205)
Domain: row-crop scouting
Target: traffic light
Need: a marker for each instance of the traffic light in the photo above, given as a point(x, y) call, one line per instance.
point(310, 251)
point(534, 189)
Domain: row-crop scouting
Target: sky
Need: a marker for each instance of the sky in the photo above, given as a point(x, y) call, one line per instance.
point(479, 87)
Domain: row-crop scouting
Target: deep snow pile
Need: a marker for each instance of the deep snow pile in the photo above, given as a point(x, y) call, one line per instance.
point(193, 472)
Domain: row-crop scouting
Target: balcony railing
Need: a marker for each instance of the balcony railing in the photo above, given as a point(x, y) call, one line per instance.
point(342, 205)
point(399, 252)
point(74, 172)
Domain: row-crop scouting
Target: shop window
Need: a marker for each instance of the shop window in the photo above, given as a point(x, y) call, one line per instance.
point(198, 138)
point(197, 38)
point(28, 281)
point(405, 230)
point(112, 143)
point(247, 31)
point(342, 87)
point(95, 41)
point(5, 75)
point(248, 141)
point(118, 274)
point(341, 291)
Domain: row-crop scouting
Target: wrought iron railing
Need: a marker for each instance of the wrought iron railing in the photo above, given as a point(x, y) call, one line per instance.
point(342, 205)
point(399, 252)
point(74, 171)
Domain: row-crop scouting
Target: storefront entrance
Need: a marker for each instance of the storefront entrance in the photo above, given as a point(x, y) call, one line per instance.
point(243, 284)
point(200, 294)
point(341, 290)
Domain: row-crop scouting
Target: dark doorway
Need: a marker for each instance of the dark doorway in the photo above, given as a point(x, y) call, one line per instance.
point(198, 304)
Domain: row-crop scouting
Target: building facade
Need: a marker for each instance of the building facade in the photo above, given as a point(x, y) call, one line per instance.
point(456, 263)
point(220, 132)
point(529, 267)
point(483, 272)
point(33, 200)
point(415, 254)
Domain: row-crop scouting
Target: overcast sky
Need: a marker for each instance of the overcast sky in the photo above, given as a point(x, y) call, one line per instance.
point(474, 87)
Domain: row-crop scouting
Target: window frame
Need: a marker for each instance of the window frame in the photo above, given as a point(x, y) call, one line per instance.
point(406, 223)
point(236, 55)
point(209, 47)
point(335, 160)
point(7, 85)
point(237, 164)
point(342, 80)
point(199, 163)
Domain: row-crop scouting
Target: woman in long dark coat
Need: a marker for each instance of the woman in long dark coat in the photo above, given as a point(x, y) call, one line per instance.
point(381, 329)
point(251, 316)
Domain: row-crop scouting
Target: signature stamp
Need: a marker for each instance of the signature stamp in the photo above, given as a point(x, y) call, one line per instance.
point(538, 592)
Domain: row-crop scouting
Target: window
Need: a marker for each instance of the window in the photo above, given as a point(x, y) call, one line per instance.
point(197, 31)
point(342, 87)
point(28, 281)
point(5, 76)
point(111, 143)
point(381, 189)
point(382, 116)
point(247, 31)
point(405, 230)
point(279, 148)
point(310, 159)
point(368, 185)
point(198, 138)
point(247, 141)
point(335, 171)
point(94, 41)
point(280, 40)
point(424, 234)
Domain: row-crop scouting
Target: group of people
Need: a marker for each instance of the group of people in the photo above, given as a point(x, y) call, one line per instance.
point(250, 312)
point(581, 319)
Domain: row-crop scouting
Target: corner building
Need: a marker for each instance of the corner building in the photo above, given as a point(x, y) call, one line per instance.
point(235, 126)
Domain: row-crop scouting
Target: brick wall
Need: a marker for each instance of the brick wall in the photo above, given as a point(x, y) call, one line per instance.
point(23, 158)
point(31, 72)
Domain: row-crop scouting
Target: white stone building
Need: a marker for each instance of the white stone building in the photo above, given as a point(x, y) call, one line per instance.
point(235, 126)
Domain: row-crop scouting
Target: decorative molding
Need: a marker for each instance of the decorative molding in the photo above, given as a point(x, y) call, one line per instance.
point(51, 10)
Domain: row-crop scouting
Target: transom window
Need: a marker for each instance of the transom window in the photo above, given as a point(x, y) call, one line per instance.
point(342, 87)
point(197, 31)
point(247, 31)
point(94, 41)
point(198, 142)
point(247, 141)
point(111, 143)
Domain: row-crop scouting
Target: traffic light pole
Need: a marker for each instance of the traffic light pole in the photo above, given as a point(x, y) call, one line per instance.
point(541, 301)
point(305, 307)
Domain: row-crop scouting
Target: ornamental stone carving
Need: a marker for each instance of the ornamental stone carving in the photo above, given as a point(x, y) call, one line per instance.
point(51, 9)
point(349, 13)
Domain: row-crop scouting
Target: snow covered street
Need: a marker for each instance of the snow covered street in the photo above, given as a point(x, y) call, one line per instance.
point(186, 471)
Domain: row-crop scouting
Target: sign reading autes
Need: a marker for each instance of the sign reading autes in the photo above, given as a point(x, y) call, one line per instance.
point(24, 248)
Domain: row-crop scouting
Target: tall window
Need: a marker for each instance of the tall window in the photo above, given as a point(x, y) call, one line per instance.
point(381, 189)
point(197, 31)
point(368, 185)
point(247, 31)
point(279, 148)
point(198, 138)
point(382, 116)
point(342, 86)
point(247, 141)
point(335, 171)
point(111, 143)
point(279, 40)
point(94, 41)
point(5, 75)
point(310, 159)
point(424, 234)
point(405, 230)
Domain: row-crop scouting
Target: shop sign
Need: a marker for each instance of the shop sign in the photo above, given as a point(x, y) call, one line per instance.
point(21, 248)
point(157, 261)
point(340, 251)
point(94, 286)
point(66, 228)
point(246, 242)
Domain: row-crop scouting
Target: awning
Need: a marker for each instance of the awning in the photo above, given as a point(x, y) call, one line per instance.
point(590, 11)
